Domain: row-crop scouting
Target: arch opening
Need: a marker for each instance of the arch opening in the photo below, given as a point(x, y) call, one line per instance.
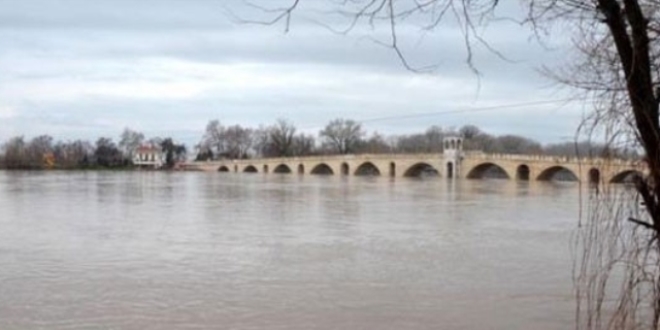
point(450, 170)
point(392, 169)
point(626, 176)
point(594, 176)
point(301, 169)
point(487, 171)
point(557, 173)
point(522, 173)
point(282, 169)
point(367, 169)
point(345, 169)
point(322, 169)
point(223, 169)
point(250, 169)
point(265, 168)
point(421, 170)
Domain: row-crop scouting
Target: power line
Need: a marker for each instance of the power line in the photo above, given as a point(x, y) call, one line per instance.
point(464, 110)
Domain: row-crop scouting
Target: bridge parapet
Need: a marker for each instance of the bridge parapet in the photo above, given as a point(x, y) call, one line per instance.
point(471, 155)
point(325, 158)
point(551, 159)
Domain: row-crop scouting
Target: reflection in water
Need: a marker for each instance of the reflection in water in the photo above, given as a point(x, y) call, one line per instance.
point(150, 250)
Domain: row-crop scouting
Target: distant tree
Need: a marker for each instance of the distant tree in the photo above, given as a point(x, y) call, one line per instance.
point(107, 154)
point(342, 135)
point(469, 132)
point(412, 144)
point(261, 143)
point(129, 141)
point(375, 144)
point(587, 149)
point(237, 141)
point(434, 136)
point(282, 138)
point(213, 138)
point(475, 139)
point(38, 148)
point(154, 141)
point(203, 154)
point(15, 153)
point(514, 144)
point(173, 152)
point(303, 145)
point(72, 154)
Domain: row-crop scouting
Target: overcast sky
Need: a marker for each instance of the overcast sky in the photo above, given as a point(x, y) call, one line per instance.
point(83, 69)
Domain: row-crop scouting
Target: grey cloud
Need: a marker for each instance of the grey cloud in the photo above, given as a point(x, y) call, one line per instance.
point(202, 31)
point(82, 41)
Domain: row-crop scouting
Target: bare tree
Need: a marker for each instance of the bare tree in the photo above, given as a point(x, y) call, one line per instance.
point(129, 141)
point(15, 153)
point(237, 141)
point(107, 154)
point(375, 144)
point(73, 154)
point(434, 136)
point(342, 135)
point(514, 144)
point(261, 144)
point(282, 138)
point(469, 132)
point(213, 138)
point(411, 144)
point(303, 145)
point(39, 148)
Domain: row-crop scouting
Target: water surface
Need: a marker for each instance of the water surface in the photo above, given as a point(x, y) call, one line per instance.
point(151, 250)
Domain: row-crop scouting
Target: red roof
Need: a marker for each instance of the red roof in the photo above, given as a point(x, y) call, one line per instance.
point(147, 149)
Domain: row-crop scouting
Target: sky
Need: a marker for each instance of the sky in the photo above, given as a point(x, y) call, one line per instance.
point(84, 69)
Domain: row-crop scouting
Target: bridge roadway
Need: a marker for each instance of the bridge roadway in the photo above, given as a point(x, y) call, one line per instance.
point(471, 165)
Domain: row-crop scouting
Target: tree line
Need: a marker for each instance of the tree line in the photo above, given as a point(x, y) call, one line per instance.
point(281, 139)
point(43, 152)
point(346, 136)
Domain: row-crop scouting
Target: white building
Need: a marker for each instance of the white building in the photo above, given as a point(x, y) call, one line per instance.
point(453, 153)
point(149, 156)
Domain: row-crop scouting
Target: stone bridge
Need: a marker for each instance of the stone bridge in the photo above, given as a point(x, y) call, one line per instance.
point(450, 164)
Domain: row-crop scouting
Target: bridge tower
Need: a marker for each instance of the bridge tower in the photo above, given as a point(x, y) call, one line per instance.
point(453, 154)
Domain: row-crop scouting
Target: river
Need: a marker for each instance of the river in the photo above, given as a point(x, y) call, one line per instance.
point(155, 250)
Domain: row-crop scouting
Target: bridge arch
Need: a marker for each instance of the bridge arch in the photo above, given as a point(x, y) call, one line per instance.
point(250, 169)
point(322, 169)
point(282, 169)
point(367, 169)
point(223, 168)
point(625, 176)
point(488, 170)
point(421, 170)
point(594, 176)
point(557, 173)
point(345, 169)
point(522, 172)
